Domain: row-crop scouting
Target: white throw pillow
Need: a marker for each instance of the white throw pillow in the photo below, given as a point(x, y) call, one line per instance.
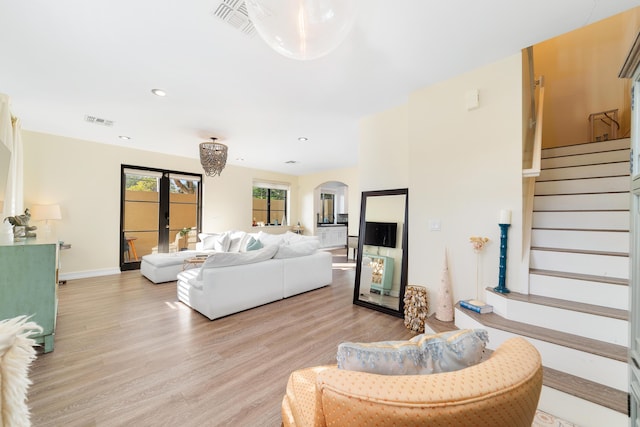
point(226, 259)
point(270, 239)
point(291, 237)
point(293, 250)
point(208, 240)
point(238, 241)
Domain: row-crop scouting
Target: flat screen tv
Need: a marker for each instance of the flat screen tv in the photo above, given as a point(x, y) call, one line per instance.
point(380, 234)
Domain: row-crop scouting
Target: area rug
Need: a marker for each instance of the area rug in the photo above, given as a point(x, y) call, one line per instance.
point(542, 419)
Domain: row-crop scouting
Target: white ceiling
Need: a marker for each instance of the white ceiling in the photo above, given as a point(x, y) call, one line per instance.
point(61, 61)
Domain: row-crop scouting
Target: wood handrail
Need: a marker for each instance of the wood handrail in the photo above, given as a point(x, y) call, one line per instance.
point(534, 170)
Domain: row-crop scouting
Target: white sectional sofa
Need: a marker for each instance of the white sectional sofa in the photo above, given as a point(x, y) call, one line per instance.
point(244, 271)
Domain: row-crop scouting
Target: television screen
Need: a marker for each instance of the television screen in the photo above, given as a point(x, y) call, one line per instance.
point(380, 234)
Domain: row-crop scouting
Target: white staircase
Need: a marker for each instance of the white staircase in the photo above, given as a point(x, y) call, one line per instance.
point(576, 312)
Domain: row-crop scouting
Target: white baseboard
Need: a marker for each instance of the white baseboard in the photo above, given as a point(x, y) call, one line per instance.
point(88, 273)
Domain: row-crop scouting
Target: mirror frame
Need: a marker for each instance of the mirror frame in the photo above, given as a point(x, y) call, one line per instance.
point(405, 251)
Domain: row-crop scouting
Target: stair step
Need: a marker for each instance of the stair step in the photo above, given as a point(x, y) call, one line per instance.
point(576, 342)
point(587, 147)
point(584, 186)
point(580, 251)
point(591, 391)
point(580, 288)
point(582, 220)
point(580, 276)
point(596, 310)
point(597, 264)
point(584, 389)
point(589, 240)
point(589, 171)
point(585, 159)
point(582, 202)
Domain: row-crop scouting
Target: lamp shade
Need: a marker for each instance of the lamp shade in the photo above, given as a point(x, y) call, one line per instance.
point(45, 212)
point(302, 29)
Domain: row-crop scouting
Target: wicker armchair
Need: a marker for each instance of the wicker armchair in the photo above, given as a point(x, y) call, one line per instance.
point(500, 391)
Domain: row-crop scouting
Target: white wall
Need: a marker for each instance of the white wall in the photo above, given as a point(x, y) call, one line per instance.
point(84, 178)
point(462, 167)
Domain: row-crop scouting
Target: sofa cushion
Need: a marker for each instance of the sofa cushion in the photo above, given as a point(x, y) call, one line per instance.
point(225, 259)
point(300, 248)
point(423, 354)
point(270, 239)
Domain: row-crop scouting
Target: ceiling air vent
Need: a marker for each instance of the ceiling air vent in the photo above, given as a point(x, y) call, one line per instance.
point(291, 162)
point(98, 121)
point(234, 12)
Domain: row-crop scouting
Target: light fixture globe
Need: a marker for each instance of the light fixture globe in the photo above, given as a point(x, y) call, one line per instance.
point(213, 157)
point(302, 29)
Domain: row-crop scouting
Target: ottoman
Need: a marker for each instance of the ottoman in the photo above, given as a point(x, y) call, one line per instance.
point(160, 268)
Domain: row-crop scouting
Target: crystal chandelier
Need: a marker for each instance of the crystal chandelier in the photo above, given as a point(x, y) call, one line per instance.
point(213, 157)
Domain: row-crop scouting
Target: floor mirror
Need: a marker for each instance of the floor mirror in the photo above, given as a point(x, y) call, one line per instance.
point(381, 264)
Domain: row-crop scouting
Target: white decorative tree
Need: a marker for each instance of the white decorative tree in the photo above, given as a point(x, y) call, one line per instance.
point(444, 310)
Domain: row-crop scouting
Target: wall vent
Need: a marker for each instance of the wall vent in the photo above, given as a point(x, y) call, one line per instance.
point(234, 13)
point(98, 121)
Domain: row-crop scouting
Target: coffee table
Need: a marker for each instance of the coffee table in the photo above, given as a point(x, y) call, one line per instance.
point(193, 262)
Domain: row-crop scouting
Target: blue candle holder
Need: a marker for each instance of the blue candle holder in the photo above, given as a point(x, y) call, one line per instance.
point(502, 288)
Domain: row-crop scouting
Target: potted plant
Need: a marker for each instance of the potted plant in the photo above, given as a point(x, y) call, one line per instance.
point(183, 236)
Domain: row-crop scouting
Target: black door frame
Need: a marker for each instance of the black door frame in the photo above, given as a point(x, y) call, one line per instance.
point(163, 209)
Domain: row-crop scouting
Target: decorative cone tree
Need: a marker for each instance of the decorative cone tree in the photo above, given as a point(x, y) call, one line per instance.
point(444, 309)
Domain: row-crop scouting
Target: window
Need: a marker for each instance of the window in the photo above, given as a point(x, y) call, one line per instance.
point(270, 203)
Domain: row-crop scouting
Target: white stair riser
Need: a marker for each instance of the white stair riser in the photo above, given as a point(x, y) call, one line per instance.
point(585, 159)
point(583, 291)
point(596, 265)
point(584, 186)
point(604, 241)
point(593, 147)
point(595, 368)
point(579, 411)
point(582, 202)
point(618, 220)
point(606, 329)
point(591, 171)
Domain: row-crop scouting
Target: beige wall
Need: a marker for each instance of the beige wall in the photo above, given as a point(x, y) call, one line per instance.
point(84, 178)
point(307, 185)
point(384, 150)
point(581, 69)
point(462, 167)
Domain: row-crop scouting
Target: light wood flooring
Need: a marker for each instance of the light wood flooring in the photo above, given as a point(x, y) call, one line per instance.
point(127, 353)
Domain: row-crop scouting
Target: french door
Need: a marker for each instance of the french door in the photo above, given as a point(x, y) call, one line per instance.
point(161, 211)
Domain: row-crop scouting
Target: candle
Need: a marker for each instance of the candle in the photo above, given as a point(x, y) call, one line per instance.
point(505, 217)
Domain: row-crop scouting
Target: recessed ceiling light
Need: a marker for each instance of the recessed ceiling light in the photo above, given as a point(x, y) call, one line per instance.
point(158, 92)
point(124, 137)
point(303, 139)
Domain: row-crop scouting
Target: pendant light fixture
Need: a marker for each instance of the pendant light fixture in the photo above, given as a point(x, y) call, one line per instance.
point(302, 29)
point(213, 157)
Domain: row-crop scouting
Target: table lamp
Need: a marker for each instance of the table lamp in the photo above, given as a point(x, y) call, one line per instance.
point(45, 213)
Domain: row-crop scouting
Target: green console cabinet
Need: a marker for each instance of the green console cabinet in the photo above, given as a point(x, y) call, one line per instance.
point(29, 285)
point(382, 275)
